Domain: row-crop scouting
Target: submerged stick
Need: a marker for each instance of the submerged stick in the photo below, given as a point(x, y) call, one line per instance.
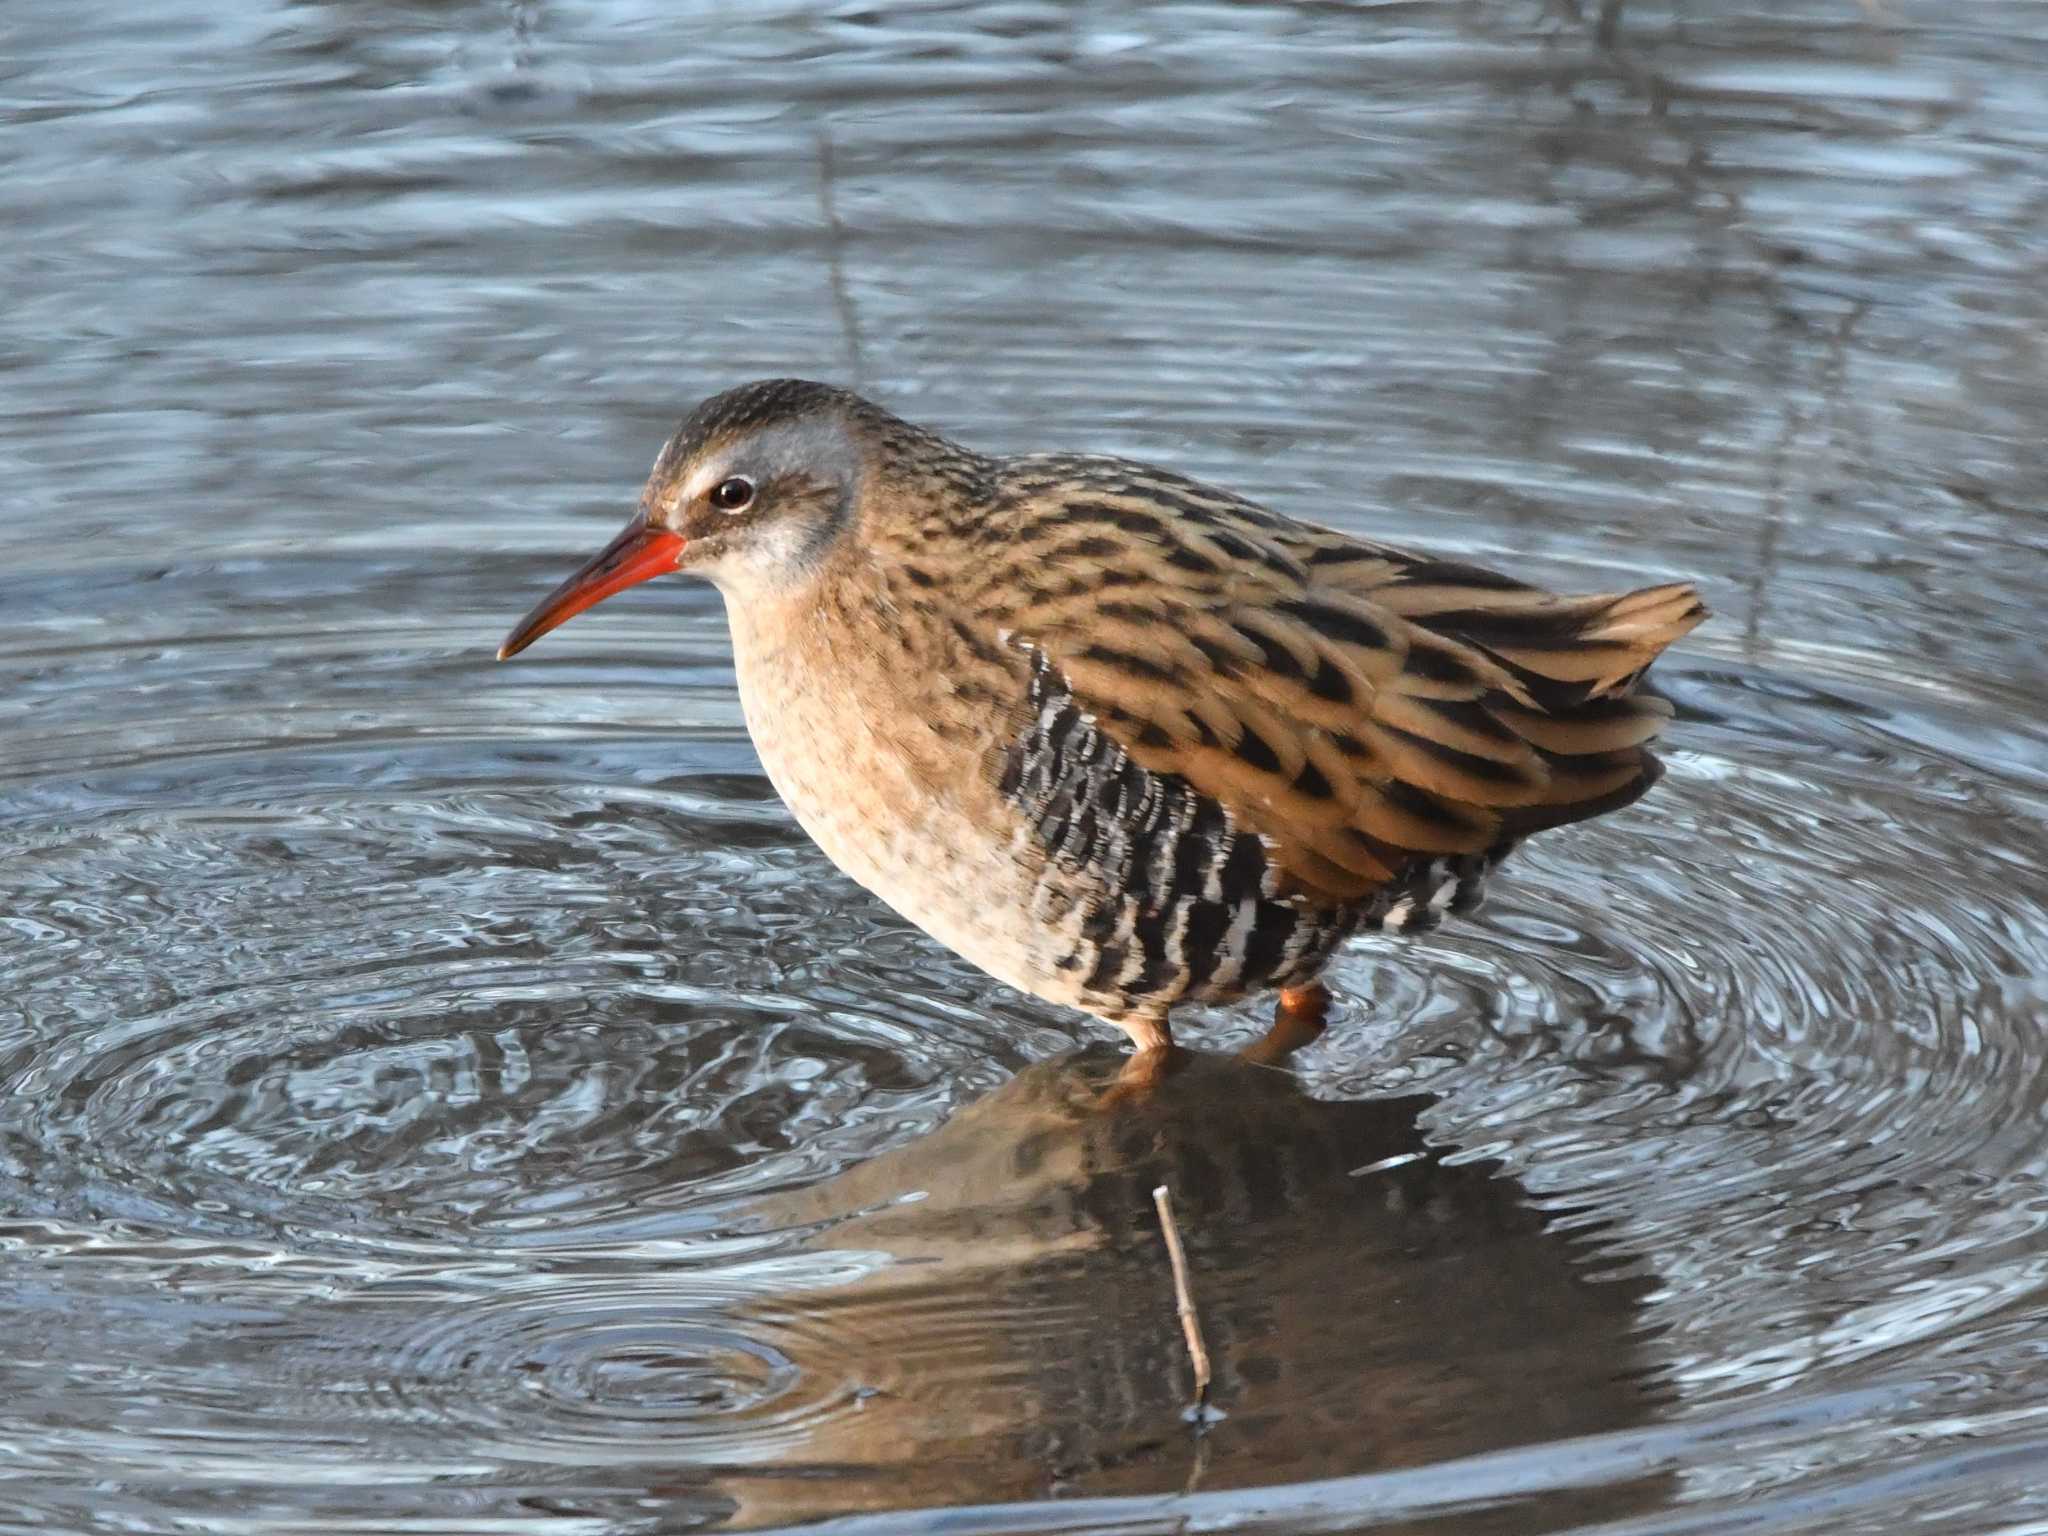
point(1184, 1297)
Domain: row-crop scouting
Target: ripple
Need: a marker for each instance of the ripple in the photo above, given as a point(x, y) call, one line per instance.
point(403, 1050)
point(427, 1018)
point(1802, 994)
point(383, 993)
point(301, 1031)
point(564, 1368)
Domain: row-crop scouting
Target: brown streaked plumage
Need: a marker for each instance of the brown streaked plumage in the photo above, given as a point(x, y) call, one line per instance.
point(1123, 739)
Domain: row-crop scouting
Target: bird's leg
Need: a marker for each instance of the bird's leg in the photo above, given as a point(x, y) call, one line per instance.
point(1297, 1021)
point(1154, 1056)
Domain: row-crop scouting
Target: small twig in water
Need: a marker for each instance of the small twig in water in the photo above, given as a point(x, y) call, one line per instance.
point(1184, 1297)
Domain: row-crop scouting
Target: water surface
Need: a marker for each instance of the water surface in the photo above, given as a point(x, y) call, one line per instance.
point(441, 1096)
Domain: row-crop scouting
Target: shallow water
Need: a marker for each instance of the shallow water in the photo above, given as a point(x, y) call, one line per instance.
point(443, 1096)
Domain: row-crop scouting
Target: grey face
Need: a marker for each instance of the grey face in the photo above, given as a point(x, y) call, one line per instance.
point(751, 492)
point(758, 507)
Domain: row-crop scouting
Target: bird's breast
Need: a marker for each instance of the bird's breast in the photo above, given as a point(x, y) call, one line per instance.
point(853, 738)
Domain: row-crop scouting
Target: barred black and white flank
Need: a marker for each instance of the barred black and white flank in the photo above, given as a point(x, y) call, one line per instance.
point(1164, 894)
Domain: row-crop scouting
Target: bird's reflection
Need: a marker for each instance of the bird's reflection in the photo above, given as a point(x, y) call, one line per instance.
point(1369, 1304)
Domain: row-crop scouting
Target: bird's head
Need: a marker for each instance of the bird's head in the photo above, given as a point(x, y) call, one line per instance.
point(753, 491)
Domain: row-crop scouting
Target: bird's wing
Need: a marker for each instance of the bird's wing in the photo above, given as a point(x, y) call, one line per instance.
point(1569, 652)
point(1357, 711)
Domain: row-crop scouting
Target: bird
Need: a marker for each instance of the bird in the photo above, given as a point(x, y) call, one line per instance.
point(1125, 740)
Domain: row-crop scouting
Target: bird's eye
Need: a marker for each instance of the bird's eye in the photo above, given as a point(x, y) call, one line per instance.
point(733, 494)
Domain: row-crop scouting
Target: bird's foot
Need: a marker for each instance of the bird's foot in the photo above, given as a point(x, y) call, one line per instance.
point(1298, 1020)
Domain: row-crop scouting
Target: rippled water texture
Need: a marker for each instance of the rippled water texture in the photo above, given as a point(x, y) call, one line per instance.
point(449, 1097)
